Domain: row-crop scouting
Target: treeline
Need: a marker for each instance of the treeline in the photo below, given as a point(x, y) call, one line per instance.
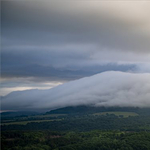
point(90, 110)
point(93, 140)
point(87, 123)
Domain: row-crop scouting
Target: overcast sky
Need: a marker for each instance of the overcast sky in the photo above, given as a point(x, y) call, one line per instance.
point(48, 43)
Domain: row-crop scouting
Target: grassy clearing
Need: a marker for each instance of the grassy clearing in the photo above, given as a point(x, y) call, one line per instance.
point(50, 115)
point(25, 122)
point(119, 114)
point(36, 118)
point(43, 116)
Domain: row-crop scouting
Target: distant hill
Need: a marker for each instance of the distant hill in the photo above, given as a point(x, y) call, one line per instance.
point(91, 110)
point(18, 113)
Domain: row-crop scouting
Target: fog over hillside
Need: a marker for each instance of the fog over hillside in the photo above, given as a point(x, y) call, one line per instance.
point(105, 89)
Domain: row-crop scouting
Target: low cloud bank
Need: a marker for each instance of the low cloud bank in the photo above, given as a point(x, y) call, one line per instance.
point(105, 89)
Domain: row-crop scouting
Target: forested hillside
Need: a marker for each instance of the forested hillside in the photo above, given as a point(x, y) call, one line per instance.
point(78, 128)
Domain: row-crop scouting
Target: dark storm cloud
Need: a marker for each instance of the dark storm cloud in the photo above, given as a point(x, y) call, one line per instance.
point(47, 63)
point(52, 74)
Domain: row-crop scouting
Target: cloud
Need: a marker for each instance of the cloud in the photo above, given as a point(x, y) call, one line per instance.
point(68, 35)
point(106, 24)
point(104, 89)
point(26, 76)
point(9, 85)
point(143, 67)
point(67, 40)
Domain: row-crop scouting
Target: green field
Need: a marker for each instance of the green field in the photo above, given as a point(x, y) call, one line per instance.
point(25, 122)
point(36, 118)
point(54, 115)
point(49, 115)
point(44, 116)
point(119, 114)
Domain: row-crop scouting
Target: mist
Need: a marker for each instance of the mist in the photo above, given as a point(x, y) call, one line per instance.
point(107, 89)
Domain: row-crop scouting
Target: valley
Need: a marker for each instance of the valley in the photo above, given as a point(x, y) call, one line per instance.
point(75, 128)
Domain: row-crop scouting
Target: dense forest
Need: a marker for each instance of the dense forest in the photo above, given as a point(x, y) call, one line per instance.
point(92, 140)
point(77, 128)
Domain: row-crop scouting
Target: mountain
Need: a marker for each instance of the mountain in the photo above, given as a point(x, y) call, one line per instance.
point(18, 113)
point(82, 110)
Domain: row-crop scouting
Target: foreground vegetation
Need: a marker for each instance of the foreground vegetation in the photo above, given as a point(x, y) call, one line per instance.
point(83, 123)
point(78, 129)
point(92, 140)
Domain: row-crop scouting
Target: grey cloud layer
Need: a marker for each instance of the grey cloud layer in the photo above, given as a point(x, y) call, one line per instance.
point(105, 89)
point(62, 34)
point(91, 28)
point(67, 40)
point(102, 23)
